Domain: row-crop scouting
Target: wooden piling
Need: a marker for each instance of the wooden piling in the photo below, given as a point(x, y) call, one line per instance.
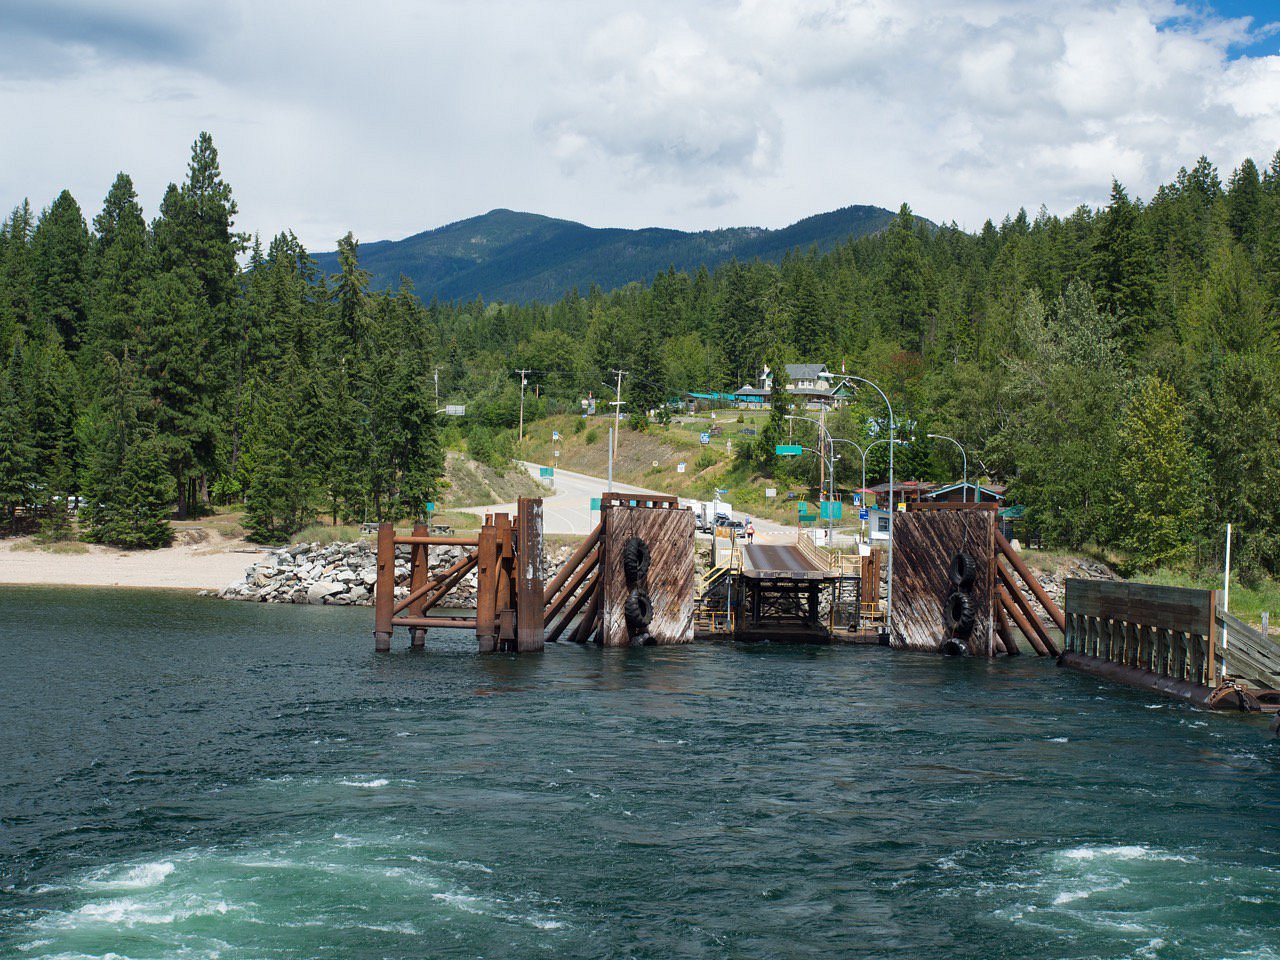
point(419, 571)
point(384, 596)
point(530, 605)
point(486, 588)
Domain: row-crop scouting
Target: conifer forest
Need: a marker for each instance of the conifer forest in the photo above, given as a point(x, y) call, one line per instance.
point(1118, 367)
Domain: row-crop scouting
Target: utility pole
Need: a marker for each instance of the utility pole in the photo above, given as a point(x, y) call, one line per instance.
point(522, 383)
point(617, 420)
point(435, 375)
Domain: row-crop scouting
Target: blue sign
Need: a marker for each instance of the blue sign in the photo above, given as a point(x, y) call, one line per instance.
point(864, 514)
point(857, 499)
point(431, 506)
point(705, 438)
point(546, 472)
point(595, 503)
point(555, 434)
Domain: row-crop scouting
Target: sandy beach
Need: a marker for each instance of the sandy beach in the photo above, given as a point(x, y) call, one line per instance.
point(209, 564)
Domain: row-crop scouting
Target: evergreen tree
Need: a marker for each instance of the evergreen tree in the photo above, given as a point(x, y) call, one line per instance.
point(1121, 265)
point(281, 482)
point(1160, 483)
point(59, 259)
point(128, 491)
point(18, 474)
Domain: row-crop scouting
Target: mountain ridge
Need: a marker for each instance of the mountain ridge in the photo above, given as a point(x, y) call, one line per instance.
point(515, 256)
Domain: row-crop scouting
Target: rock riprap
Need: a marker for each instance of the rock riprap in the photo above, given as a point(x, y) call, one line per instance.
point(345, 574)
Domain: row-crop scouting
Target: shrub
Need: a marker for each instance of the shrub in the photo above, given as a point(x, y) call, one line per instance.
point(705, 459)
point(580, 424)
point(593, 435)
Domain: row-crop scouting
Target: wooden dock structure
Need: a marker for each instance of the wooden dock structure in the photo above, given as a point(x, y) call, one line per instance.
point(959, 587)
point(630, 581)
point(1174, 640)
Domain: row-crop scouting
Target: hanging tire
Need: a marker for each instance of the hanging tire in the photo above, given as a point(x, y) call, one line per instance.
point(954, 647)
point(963, 569)
point(635, 561)
point(639, 611)
point(960, 614)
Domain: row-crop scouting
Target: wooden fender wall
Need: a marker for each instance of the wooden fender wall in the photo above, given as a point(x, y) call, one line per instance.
point(668, 530)
point(923, 544)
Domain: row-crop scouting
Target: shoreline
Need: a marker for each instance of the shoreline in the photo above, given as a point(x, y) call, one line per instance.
point(204, 564)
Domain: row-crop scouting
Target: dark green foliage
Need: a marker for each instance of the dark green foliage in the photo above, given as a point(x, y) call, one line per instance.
point(1047, 345)
point(128, 489)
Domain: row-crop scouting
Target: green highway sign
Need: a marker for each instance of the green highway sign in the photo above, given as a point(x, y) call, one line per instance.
point(595, 503)
point(546, 472)
point(431, 506)
point(831, 509)
point(788, 450)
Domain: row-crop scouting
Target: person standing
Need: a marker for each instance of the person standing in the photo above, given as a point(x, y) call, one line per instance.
point(751, 531)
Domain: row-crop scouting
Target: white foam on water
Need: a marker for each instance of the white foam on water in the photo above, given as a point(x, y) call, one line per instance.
point(133, 911)
point(368, 784)
point(1058, 740)
point(141, 877)
point(1123, 852)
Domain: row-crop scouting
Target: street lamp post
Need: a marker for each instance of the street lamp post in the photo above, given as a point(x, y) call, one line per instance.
point(862, 494)
point(964, 476)
point(822, 429)
point(888, 618)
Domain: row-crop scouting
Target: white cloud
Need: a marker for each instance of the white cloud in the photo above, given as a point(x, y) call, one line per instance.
point(391, 117)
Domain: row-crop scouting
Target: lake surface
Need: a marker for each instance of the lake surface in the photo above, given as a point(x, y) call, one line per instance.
point(190, 778)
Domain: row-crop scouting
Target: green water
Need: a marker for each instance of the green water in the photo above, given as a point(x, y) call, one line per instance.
point(190, 778)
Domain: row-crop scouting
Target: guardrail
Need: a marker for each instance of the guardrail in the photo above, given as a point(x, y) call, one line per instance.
point(1245, 652)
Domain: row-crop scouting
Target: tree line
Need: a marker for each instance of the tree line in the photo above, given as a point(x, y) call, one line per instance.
point(145, 373)
point(1114, 366)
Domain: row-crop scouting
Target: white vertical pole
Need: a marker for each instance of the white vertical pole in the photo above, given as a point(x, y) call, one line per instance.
point(611, 460)
point(1226, 594)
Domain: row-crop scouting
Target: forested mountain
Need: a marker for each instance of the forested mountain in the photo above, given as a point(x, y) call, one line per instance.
point(519, 257)
point(1117, 367)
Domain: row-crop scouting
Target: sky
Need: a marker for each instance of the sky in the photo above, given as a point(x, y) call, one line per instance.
point(388, 117)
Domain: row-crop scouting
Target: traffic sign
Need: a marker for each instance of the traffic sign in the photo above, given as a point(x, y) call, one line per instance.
point(770, 491)
point(857, 499)
point(546, 473)
point(788, 450)
point(680, 467)
point(864, 514)
point(705, 438)
point(555, 434)
point(431, 506)
point(595, 503)
point(831, 509)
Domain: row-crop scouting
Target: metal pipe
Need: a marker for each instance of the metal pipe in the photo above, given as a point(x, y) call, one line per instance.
point(439, 541)
point(964, 477)
point(888, 617)
point(583, 549)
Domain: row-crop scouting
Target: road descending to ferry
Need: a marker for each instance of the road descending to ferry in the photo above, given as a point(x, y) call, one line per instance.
point(566, 506)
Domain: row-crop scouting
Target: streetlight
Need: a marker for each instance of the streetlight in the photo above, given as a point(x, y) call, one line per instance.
point(822, 429)
point(821, 459)
point(964, 481)
point(888, 617)
point(862, 493)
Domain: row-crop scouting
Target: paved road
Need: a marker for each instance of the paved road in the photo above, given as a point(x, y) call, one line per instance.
point(567, 507)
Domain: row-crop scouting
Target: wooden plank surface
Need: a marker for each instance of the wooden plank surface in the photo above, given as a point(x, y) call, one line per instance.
point(1171, 608)
point(671, 585)
point(924, 543)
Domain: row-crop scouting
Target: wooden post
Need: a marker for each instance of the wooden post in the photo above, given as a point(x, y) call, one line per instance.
point(1003, 631)
point(1055, 614)
point(1018, 600)
point(530, 605)
point(486, 588)
point(419, 571)
point(505, 591)
point(384, 596)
